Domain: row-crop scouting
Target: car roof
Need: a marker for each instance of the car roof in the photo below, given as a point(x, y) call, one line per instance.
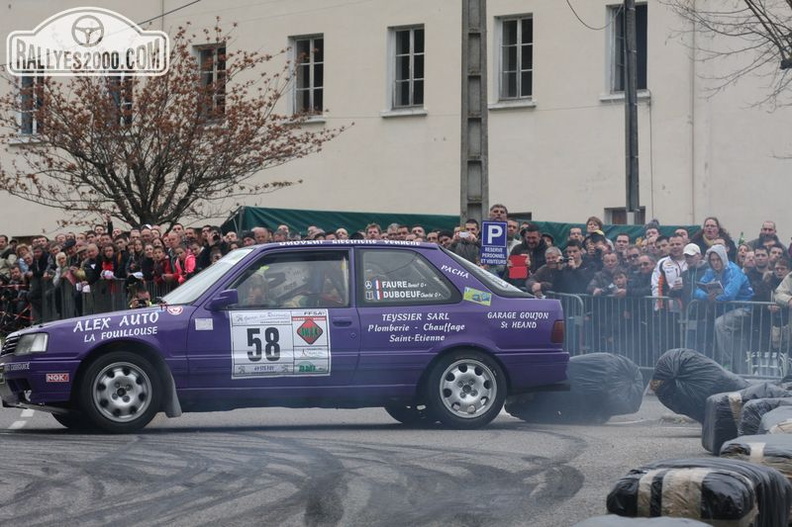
point(353, 243)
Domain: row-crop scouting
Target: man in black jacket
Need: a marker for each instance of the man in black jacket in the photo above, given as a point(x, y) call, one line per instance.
point(533, 245)
point(767, 236)
point(212, 239)
point(640, 284)
point(575, 275)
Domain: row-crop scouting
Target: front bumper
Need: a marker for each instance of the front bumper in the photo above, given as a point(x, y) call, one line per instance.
point(35, 382)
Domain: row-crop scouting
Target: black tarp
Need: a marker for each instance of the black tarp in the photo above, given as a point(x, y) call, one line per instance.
point(752, 412)
point(601, 385)
point(777, 421)
point(773, 450)
point(722, 413)
point(684, 378)
point(773, 493)
point(612, 520)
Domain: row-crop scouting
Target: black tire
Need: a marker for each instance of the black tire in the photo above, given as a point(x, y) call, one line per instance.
point(72, 421)
point(410, 414)
point(465, 389)
point(516, 406)
point(120, 392)
point(554, 408)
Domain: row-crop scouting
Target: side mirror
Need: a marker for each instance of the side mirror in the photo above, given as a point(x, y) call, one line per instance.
point(224, 299)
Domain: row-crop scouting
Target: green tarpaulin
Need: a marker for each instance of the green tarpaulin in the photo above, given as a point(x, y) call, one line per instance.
point(560, 231)
point(245, 218)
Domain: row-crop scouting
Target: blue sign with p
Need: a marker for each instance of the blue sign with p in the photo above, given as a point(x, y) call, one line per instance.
point(494, 243)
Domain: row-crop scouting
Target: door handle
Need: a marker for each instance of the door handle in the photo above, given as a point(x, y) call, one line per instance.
point(342, 322)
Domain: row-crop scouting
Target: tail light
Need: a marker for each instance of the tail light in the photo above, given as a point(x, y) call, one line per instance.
point(557, 335)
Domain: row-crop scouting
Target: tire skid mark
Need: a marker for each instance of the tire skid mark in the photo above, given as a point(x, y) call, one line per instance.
point(196, 479)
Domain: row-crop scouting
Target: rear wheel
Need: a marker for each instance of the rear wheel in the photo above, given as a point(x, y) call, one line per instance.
point(466, 389)
point(120, 392)
point(410, 414)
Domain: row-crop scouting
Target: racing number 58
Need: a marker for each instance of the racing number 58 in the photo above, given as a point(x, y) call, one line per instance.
point(271, 347)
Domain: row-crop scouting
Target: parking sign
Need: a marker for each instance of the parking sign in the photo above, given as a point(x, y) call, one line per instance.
point(494, 242)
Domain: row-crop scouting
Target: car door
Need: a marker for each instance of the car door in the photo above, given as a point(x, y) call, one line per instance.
point(294, 327)
point(408, 310)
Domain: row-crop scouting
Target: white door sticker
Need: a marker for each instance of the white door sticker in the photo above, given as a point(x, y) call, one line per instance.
point(279, 343)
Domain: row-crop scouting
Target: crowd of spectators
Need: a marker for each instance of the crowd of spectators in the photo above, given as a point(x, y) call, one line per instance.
point(707, 271)
point(151, 260)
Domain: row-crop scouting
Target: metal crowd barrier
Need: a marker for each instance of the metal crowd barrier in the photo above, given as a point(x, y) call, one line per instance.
point(750, 338)
point(66, 300)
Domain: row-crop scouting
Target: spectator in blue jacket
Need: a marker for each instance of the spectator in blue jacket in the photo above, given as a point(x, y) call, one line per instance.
point(734, 288)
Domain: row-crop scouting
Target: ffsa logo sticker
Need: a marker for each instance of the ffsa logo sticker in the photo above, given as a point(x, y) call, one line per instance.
point(309, 331)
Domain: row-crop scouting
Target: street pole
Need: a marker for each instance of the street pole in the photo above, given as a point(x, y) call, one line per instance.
point(474, 176)
point(631, 110)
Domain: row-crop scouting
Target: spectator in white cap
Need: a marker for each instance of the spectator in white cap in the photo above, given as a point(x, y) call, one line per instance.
point(692, 249)
point(696, 266)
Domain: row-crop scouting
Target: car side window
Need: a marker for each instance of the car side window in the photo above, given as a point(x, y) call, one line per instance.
point(401, 277)
point(295, 280)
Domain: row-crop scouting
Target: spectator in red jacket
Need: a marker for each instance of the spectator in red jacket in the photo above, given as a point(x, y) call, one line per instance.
point(184, 263)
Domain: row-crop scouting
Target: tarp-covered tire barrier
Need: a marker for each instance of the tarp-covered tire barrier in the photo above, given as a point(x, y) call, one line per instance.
point(778, 421)
point(722, 413)
point(618, 521)
point(753, 411)
point(709, 489)
point(684, 378)
point(774, 451)
point(601, 385)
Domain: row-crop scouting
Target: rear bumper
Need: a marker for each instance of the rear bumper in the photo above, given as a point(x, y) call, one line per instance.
point(536, 371)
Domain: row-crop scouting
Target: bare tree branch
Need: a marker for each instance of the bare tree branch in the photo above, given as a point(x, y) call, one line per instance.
point(760, 34)
point(180, 147)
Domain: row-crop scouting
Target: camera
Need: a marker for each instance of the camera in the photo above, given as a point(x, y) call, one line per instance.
point(564, 260)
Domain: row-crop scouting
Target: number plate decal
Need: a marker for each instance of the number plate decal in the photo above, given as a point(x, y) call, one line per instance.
point(279, 343)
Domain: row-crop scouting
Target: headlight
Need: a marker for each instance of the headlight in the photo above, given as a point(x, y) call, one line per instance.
point(32, 343)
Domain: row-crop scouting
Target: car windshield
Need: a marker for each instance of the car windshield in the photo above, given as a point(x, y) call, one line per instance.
point(496, 284)
point(193, 288)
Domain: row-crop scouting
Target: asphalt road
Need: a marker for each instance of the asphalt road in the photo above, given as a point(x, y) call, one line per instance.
point(325, 468)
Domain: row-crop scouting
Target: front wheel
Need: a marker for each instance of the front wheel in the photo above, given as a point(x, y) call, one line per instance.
point(120, 392)
point(72, 421)
point(466, 389)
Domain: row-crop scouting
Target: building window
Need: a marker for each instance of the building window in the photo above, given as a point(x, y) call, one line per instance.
point(31, 99)
point(120, 89)
point(212, 64)
point(408, 67)
point(618, 216)
point(309, 84)
point(516, 58)
point(617, 17)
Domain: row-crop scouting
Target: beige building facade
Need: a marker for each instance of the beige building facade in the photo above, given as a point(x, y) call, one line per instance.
point(556, 110)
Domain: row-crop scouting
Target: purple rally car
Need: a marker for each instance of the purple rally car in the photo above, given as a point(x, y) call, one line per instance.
point(407, 326)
